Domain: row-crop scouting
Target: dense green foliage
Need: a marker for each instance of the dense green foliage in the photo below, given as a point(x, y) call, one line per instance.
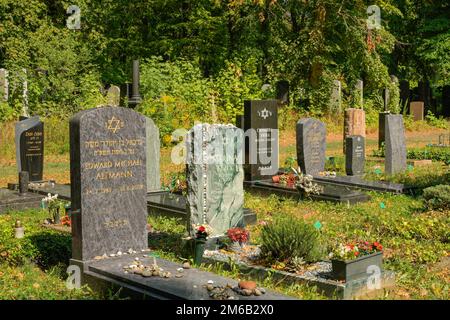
point(430, 153)
point(45, 248)
point(204, 57)
point(287, 239)
point(438, 197)
point(426, 153)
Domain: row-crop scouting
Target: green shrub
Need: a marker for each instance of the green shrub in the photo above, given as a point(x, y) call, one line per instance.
point(438, 197)
point(435, 121)
point(428, 153)
point(46, 248)
point(287, 239)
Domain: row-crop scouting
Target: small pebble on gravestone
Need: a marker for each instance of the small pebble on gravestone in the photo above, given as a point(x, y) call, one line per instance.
point(249, 285)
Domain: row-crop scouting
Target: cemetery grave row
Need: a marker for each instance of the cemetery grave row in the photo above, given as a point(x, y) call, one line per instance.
point(112, 154)
point(115, 183)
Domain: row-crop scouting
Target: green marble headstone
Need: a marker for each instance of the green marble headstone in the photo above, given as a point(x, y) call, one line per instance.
point(215, 177)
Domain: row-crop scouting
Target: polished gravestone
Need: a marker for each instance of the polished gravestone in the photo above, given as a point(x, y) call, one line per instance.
point(29, 141)
point(108, 182)
point(395, 144)
point(311, 145)
point(355, 155)
point(260, 125)
point(215, 177)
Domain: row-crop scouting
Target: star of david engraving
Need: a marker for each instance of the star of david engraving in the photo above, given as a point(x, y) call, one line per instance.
point(265, 113)
point(114, 124)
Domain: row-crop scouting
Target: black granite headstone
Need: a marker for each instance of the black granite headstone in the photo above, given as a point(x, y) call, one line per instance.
point(108, 182)
point(355, 155)
point(240, 121)
point(381, 128)
point(29, 139)
point(261, 144)
point(395, 148)
point(283, 91)
point(311, 145)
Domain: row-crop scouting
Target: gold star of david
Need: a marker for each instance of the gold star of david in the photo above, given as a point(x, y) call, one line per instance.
point(114, 124)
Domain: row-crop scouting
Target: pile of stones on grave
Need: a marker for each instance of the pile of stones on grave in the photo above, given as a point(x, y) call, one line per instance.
point(147, 271)
point(229, 292)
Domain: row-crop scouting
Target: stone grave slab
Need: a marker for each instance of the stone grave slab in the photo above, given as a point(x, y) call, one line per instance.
point(159, 203)
point(360, 183)
point(11, 200)
point(318, 277)
point(332, 193)
point(109, 272)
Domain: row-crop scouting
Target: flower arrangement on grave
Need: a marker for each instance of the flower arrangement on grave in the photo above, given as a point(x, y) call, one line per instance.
point(66, 221)
point(355, 250)
point(55, 207)
point(201, 235)
point(238, 237)
point(305, 184)
point(351, 261)
point(178, 183)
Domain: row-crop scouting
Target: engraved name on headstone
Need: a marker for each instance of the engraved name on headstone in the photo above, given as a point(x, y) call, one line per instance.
point(261, 147)
point(29, 141)
point(355, 155)
point(108, 182)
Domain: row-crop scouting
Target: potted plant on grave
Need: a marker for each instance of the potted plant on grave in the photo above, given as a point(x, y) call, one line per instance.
point(56, 208)
point(238, 237)
point(178, 184)
point(201, 235)
point(351, 261)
